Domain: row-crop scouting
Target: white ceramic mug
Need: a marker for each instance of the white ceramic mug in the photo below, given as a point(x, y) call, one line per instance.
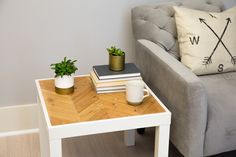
point(135, 92)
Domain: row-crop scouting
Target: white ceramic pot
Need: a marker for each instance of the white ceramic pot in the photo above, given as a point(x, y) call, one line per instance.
point(64, 82)
point(64, 85)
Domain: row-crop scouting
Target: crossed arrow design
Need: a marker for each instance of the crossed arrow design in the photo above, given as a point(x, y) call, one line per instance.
point(208, 60)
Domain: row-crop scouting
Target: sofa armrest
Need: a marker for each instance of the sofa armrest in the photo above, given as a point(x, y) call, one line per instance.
point(181, 91)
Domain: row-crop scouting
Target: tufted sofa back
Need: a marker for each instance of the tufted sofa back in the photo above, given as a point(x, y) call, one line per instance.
point(157, 24)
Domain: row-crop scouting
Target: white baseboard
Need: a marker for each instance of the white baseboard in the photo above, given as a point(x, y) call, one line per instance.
point(18, 120)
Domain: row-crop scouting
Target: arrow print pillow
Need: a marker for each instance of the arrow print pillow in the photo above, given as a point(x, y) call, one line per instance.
point(207, 40)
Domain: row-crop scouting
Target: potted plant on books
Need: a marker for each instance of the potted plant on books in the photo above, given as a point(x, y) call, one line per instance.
point(116, 59)
point(64, 79)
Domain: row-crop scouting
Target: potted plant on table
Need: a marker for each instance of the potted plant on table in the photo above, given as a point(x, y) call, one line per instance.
point(116, 59)
point(64, 79)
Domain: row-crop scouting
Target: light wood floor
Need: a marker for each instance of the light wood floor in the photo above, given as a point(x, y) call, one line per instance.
point(102, 145)
point(20, 146)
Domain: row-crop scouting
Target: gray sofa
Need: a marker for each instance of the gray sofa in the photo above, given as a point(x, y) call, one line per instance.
point(203, 107)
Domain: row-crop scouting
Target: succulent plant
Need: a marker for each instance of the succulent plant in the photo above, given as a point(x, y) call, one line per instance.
point(115, 51)
point(65, 67)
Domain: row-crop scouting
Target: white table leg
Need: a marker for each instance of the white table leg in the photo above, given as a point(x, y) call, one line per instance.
point(43, 136)
point(48, 148)
point(161, 148)
point(55, 148)
point(129, 137)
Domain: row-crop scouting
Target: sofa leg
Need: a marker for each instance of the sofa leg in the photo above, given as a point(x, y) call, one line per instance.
point(141, 131)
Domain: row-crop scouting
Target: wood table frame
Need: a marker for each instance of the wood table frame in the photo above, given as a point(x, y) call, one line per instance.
point(51, 136)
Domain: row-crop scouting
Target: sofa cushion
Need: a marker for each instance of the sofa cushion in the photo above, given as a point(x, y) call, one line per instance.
point(157, 24)
point(221, 128)
point(207, 40)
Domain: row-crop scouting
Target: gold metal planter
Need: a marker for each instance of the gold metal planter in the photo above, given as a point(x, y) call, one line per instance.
point(116, 63)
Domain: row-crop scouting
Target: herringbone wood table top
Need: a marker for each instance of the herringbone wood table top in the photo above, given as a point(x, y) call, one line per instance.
point(85, 105)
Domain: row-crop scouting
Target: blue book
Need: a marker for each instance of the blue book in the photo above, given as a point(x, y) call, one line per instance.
point(103, 72)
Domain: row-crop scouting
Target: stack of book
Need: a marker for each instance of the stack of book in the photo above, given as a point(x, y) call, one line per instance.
point(107, 81)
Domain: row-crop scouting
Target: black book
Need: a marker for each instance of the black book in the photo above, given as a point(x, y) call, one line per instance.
point(103, 72)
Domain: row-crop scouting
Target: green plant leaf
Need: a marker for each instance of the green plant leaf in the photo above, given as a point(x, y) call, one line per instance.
point(115, 51)
point(65, 67)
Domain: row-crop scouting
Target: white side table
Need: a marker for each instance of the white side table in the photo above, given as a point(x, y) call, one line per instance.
point(86, 113)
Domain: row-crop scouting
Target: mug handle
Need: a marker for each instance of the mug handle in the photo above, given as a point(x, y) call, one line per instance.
point(146, 95)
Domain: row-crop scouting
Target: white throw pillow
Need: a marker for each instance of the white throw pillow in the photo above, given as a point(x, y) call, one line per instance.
point(207, 40)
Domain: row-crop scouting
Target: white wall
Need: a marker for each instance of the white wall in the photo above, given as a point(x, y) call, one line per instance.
point(21, 119)
point(36, 33)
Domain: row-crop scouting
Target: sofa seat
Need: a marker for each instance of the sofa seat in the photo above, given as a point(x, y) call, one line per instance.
point(221, 127)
